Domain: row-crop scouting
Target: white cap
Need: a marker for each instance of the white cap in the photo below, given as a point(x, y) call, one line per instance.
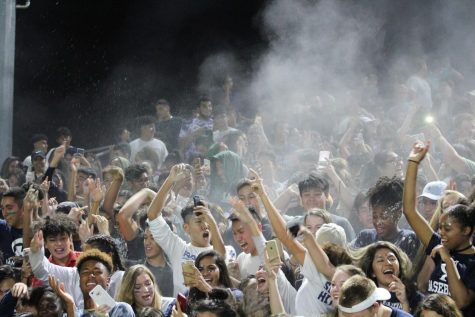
point(434, 190)
point(331, 232)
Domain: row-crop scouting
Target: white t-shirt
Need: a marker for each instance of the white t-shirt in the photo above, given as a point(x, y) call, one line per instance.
point(248, 264)
point(313, 297)
point(176, 250)
point(156, 145)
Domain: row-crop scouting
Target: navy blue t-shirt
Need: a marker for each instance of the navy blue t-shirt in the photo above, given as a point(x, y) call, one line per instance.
point(414, 301)
point(11, 240)
point(438, 282)
point(405, 239)
point(399, 313)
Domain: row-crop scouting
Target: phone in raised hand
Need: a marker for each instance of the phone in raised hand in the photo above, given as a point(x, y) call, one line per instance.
point(272, 250)
point(101, 297)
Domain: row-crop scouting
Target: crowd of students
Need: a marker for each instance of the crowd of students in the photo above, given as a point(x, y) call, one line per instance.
point(239, 212)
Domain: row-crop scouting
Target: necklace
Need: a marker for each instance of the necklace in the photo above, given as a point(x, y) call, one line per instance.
point(463, 249)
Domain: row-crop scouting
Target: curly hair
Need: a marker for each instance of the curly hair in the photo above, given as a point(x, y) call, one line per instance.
point(95, 254)
point(108, 245)
point(56, 225)
point(386, 192)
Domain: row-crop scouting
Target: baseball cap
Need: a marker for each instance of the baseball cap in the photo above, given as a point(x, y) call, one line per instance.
point(434, 190)
point(331, 232)
point(36, 154)
point(377, 295)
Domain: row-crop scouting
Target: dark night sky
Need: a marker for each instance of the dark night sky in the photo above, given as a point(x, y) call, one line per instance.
point(93, 65)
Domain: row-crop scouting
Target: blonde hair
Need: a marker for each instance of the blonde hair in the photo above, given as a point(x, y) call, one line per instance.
point(322, 213)
point(126, 290)
point(434, 221)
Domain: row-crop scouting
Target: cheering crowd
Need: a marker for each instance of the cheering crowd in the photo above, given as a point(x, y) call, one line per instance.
point(350, 205)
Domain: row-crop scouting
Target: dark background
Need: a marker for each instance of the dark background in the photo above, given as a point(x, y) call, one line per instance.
point(95, 65)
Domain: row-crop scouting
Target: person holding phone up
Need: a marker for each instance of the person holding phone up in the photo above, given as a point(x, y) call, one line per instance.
point(199, 224)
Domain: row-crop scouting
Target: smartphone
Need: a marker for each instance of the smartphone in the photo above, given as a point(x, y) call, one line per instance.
point(101, 297)
point(187, 267)
point(181, 300)
point(294, 230)
point(197, 162)
point(280, 248)
point(323, 158)
point(26, 255)
point(207, 163)
point(272, 250)
point(80, 151)
point(197, 201)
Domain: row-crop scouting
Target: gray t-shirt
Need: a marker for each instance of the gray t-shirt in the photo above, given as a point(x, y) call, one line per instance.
point(164, 277)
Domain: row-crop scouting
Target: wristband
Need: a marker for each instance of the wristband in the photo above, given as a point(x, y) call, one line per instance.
point(413, 161)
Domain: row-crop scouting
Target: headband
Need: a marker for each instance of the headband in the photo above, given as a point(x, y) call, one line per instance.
point(378, 294)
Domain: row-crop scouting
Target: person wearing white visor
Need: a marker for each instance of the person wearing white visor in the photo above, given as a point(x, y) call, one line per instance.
point(359, 297)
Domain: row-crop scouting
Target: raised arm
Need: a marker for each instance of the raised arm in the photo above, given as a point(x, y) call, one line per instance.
point(449, 154)
point(277, 222)
point(216, 238)
point(111, 194)
point(158, 203)
point(127, 225)
point(319, 257)
point(416, 221)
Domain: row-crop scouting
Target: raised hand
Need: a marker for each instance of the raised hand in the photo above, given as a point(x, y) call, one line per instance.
point(85, 231)
point(37, 243)
point(240, 210)
point(418, 152)
point(178, 172)
point(256, 182)
point(44, 186)
point(75, 213)
point(59, 289)
point(102, 224)
point(19, 290)
point(31, 198)
point(197, 280)
point(75, 164)
point(96, 190)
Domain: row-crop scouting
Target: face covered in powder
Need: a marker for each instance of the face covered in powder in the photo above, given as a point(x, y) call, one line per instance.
point(385, 219)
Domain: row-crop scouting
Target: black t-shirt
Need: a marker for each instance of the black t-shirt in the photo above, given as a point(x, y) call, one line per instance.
point(438, 282)
point(168, 132)
point(135, 248)
point(11, 240)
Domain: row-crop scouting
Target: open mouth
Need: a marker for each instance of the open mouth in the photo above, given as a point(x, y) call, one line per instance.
point(243, 246)
point(59, 250)
point(147, 297)
point(208, 280)
point(261, 281)
point(388, 272)
point(206, 235)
